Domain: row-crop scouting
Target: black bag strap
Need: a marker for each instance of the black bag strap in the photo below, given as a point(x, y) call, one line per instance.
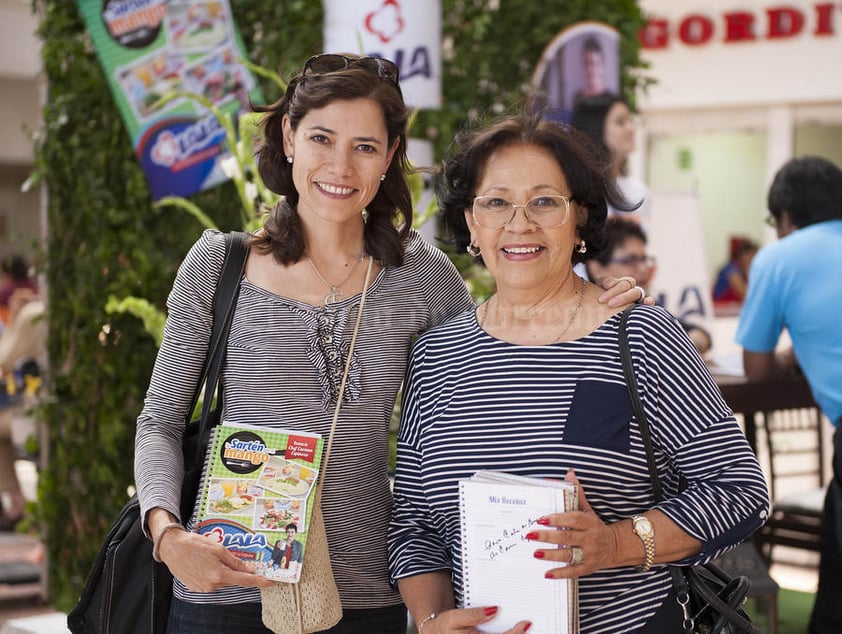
point(679, 580)
point(224, 300)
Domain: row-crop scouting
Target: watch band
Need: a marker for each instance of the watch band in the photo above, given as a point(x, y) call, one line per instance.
point(643, 528)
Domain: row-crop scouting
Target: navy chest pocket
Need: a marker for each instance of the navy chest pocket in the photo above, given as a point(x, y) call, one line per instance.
point(599, 416)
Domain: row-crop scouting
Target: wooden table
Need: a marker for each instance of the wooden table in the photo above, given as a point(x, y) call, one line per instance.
point(765, 396)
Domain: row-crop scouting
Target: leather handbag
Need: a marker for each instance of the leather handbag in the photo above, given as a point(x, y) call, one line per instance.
point(710, 599)
point(127, 591)
point(313, 604)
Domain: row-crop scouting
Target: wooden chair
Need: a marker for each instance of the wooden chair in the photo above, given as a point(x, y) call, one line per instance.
point(795, 459)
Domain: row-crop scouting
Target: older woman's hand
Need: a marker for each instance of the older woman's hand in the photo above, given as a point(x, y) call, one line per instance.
point(466, 620)
point(587, 544)
point(205, 566)
point(623, 290)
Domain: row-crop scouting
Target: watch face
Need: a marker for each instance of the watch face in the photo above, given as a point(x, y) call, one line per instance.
point(642, 526)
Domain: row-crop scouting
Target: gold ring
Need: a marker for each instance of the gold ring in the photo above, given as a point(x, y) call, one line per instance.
point(577, 556)
point(642, 293)
point(628, 278)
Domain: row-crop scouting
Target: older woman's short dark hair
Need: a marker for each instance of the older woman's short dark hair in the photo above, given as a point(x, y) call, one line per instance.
point(389, 213)
point(591, 186)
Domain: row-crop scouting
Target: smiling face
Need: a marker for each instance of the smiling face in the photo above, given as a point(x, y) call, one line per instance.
point(521, 255)
point(340, 152)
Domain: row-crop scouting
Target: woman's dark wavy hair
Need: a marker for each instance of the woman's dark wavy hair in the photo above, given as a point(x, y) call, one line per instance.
point(591, 186)
point(389, 213)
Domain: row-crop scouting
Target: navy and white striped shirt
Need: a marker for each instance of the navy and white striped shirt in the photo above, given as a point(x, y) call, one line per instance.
point(474, 402)
point(280, 370)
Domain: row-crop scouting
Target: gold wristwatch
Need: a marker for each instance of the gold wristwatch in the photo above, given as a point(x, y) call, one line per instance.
point(643, 528)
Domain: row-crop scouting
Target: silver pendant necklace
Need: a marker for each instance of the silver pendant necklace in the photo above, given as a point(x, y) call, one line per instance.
point(569, 322)
point(335, 294)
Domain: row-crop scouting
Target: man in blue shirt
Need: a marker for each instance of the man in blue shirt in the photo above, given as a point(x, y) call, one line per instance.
point(796, 283)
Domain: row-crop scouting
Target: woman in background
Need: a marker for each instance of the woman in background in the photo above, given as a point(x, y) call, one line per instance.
point(608, 122)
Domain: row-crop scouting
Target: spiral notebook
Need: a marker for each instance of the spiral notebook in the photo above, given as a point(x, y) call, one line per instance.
point(258, 494)
point(497, 510)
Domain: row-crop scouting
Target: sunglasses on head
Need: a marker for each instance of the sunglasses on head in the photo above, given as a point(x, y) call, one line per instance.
point(331, 62)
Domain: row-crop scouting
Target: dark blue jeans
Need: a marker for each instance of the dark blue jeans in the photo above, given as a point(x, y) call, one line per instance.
point(245, 618)
point(827, 610)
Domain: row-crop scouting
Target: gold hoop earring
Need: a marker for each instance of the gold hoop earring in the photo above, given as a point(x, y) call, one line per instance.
point(473, 250)
point(581, 247)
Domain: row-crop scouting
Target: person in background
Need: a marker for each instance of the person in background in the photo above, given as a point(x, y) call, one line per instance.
point(14, 278)
point(335, 148)
point(791, 288)
point(608, 122)
point(732, 280)
point(531, 383)
point(625, 255)
point(593, 71)
point(23, 353)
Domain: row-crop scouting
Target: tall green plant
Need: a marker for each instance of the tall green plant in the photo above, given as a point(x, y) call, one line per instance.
point(106, 238)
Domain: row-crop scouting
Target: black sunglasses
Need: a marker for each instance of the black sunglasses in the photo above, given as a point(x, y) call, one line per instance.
point(331, 62)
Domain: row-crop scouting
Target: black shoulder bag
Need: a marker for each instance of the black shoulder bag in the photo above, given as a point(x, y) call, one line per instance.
point(126, 591)
point(710, 599)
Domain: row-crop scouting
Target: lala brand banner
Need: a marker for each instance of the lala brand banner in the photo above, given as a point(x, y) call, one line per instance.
point(153, 48)
point(408, 32)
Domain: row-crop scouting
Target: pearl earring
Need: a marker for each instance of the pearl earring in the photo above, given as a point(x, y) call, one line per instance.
point(289, 160)
point(581, 247)
point(382, 177)
point(364, 214)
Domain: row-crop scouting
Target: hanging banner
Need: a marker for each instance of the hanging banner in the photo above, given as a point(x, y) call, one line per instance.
point(153, 48)
point(408, 32)
point(676, 238)
point(583, 60)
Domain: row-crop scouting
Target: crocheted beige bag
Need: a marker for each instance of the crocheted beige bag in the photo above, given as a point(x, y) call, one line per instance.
point(312, 604)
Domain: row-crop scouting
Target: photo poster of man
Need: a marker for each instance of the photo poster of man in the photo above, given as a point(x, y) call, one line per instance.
point(407, 32)
point(153, 48)
point(583, 60)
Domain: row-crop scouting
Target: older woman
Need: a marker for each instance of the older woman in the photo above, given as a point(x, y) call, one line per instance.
point(336, 149)
point(531, 383)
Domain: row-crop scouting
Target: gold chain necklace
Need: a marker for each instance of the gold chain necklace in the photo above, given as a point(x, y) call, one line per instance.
point(335, 294)
point(569, 322)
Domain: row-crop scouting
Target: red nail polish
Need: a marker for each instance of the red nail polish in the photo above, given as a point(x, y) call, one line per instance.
point(548, 575)
point(543, 521)
point(526, 628)
point(490, 610)
point(539, 554)
point(532, 535)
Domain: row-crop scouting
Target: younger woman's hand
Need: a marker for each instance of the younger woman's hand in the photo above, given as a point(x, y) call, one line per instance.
point(620, 291)
point(205, 566)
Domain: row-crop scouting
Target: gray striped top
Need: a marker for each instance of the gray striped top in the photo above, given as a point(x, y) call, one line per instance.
point(284, 359)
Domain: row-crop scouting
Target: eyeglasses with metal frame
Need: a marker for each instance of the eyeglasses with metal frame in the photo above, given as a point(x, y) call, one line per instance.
point(547, 211)
point(634, 260)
